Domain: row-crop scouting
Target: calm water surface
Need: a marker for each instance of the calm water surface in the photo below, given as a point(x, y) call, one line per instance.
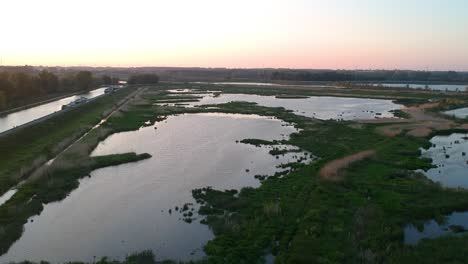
point(124, 209)
point(432, 229)
point(320, 107)
point(447, 154)
point(452, 171)
point(323, 107)
point(438, 87)
point(458, 113)
point(21, 117)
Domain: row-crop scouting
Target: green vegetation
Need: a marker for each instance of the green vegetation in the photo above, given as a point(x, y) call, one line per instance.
point(370, 76)
point(411, 101)
point(450, 104)
point(305, 219)
point(53, 185)
point(143, 79)
point(277, 151)
point(258, 142)
point(25, 150)
point(400, 114)
point(449, 249)
point(302, 218)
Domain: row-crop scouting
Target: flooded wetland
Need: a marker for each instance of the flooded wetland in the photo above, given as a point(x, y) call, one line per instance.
point(237, 176)
point(133, 207)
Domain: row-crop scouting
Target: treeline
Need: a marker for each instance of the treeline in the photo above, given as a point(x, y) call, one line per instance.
point(311, 76)
point(19, 87)
point(147, 78)
point(377, 75)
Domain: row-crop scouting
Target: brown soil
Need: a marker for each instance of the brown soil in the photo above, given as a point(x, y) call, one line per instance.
point(420, 124)
point(331, 170)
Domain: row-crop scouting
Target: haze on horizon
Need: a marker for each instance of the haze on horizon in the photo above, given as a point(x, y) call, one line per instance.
point(339, 34)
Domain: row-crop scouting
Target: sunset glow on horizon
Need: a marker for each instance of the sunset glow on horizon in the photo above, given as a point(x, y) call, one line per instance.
point(338, 34)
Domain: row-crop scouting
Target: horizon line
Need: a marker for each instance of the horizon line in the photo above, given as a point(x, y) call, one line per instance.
point(238, 68)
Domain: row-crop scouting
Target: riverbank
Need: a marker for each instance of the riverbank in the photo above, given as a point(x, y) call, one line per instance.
point(39, 101)
point(26, 149)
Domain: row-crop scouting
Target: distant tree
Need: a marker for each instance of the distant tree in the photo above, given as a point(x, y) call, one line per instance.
point(115, 80)
point(334, 76)
point(23, 85)
point(452, 75)
point(143, 79)
point(67, 82)
point(84, 80)
point(48, 82)
point(5, 84)
point(3, 100)
point(106, 80)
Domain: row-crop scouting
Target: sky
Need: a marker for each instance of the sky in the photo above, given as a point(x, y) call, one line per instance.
point(319, 34)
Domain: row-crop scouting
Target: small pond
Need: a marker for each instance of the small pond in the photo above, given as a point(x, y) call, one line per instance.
point(450, 155)
point(453, 224)
point(458, 113)
point(437, 87)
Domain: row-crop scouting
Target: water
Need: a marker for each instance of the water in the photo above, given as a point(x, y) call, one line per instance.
point(21, 117)
point(124, 209)
point(433, 230)
point(6, 196)
point(437, 87)
point(458, 113)
point(321, 107)
point(452, 171)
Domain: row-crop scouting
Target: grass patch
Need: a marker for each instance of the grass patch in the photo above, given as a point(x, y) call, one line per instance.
point(258, 142)
point(400, 114)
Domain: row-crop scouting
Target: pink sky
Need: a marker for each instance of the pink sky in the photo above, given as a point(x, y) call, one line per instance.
point(342, 34)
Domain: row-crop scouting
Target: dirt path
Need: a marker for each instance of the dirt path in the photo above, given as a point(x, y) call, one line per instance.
point(420, 124)
point(331, 170)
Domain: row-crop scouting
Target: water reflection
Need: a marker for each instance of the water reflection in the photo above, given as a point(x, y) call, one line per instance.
point(123, 209)
point(323, 107)
point(449, 154)
point(454, 223)
point(458, 113)
point(437, 87)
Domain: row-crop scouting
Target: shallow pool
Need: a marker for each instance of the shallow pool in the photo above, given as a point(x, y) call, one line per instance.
point(450, 155)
